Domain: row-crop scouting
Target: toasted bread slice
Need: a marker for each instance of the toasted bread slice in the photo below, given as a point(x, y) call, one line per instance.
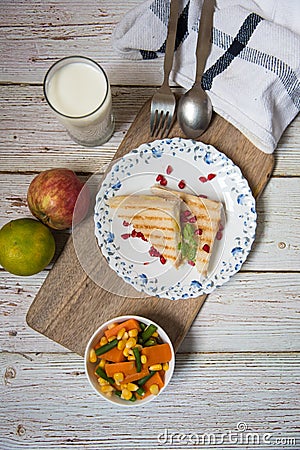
point(207, 214)
point(156, 217)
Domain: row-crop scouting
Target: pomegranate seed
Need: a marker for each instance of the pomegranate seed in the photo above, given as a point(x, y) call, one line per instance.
point(221, 227)
point(125, 236)
point(134, 233)
point(186, 213)
point(219, 235)
point(211, 176)
point(198, 232)
point(206, 248)
point(153, 252)
point(125, 223)
point(191, 263)
point(169, 170)
point(181, 184)
point(193, 219)
point(163, 182)
point(146, 263)
point(159, 177)
point(162, 259)
point(203, 179)
point(202, 196)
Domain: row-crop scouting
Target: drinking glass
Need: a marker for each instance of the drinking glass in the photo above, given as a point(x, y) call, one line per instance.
point(78, 91)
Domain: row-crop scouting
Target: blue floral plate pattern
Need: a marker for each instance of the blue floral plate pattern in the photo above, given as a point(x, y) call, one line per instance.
point(204, 171)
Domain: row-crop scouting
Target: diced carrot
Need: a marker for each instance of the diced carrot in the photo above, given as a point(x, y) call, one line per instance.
point(136, 376)
point(114, 355)
point(127, 367)
point(129, 324)
point(157, 354)
point(162, 374)
point(155, 379)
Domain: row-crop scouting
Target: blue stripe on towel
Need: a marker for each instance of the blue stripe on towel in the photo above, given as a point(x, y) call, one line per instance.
point(235, 48)
point(161, 10)
point(282, 70)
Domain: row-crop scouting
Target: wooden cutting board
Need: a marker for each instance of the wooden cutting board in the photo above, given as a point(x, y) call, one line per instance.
point(70, 305)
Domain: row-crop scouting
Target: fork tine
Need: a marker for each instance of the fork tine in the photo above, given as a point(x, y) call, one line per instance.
point(160, 118)
point(153, 120)
point(156, 122)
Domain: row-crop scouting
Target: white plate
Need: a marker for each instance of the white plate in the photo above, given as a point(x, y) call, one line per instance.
point(136, 173)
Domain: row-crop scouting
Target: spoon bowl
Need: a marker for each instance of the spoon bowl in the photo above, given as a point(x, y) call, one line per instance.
point(194, 111)
point(195, 107)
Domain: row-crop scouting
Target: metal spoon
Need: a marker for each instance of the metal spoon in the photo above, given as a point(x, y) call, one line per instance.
point(194, 107)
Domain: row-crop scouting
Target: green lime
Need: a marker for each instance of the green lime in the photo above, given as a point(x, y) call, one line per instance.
point(26, 246)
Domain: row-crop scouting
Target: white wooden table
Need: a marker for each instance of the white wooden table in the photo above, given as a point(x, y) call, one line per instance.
point(237, 370)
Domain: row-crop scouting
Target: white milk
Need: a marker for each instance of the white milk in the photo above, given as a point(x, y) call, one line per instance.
point(77, 89)
point(79, 92)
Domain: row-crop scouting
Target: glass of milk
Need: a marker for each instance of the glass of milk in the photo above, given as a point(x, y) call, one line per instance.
point(78, 91)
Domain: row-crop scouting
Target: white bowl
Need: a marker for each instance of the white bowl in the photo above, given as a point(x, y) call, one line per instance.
point(90, 367)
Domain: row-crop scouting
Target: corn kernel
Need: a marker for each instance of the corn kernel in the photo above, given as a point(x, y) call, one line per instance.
point(112, 338)
point(112, 325)
point(126, 394)
point(125, 336)
point(131, 342)
point(143, 359)
point(121, 333)
point(156, 367)
point(139, 347)
point(132, 387)
point(118, 377)
point(133, 333)
point(165, 366)
point(121, 345)
point(103, 340)
point(131, 358)
point(106, 389)
point(93, 356)
point(154, 389)
point(102, 363)
point(155, 334)
point(102, 382)
point(126, 352)
point(123, 386)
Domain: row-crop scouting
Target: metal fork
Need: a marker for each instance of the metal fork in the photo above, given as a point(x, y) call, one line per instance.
point(163, 102)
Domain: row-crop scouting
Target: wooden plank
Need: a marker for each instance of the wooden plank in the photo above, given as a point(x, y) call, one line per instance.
point(76, 295)
point(45, 33)
point(49, 404)
point(241, 316)
point(32, 138)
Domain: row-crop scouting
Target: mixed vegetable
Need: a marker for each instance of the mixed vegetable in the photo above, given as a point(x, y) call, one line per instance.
point(131, 360)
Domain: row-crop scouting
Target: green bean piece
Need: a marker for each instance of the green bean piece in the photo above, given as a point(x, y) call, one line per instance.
point(147, 333)
point(118, 393)
point(143, 380)
point(142, 325)
point(150, 342)
point(137, 359)
point(140, 391)
point(105, 348)
point(132, 398)
point(101, 373)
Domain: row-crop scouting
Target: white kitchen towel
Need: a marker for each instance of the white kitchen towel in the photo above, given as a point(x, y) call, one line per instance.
point(253, 72)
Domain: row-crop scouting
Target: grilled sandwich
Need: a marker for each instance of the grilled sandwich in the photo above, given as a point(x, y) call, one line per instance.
point(200, 221)
point(156, 217)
